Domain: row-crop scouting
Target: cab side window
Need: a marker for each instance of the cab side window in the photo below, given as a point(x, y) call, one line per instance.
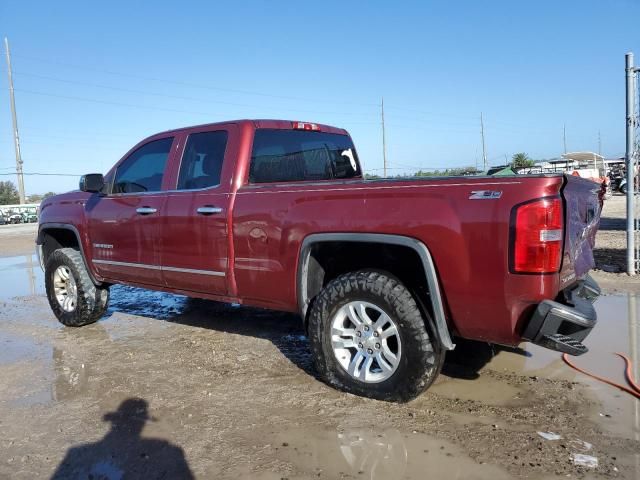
point(300, 155)
point(202, 160)
point(142, 171)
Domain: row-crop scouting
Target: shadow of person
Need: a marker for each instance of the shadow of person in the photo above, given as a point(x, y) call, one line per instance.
point(123, 453)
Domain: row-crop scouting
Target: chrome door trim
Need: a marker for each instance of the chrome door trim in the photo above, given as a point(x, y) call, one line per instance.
point(127, 264)
point(191, 270)
point(161, 267)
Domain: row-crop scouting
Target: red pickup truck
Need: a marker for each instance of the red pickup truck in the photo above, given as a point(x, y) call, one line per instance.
point(384, 273)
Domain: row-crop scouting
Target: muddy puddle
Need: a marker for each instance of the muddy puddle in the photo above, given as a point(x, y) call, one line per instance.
point(373, 454)
point(618, 330)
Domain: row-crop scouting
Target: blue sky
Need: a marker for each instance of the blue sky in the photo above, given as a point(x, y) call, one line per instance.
point(93, 78)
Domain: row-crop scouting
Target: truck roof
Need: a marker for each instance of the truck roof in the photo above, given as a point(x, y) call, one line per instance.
point(260, 123)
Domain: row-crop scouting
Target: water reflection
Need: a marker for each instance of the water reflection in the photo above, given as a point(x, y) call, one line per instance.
point(71, 375)
point(377, 454)
point(21, 276)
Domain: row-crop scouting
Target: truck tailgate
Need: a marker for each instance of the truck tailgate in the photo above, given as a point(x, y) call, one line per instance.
point(583, 205)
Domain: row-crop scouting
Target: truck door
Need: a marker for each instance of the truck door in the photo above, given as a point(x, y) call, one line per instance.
point(124, 225)
point(194, 233)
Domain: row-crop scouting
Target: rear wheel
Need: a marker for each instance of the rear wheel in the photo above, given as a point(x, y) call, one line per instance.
point(73, 297)
point(370, 338)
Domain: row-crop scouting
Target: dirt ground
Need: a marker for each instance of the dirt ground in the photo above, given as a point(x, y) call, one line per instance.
point(611, 248)
point(168, 387)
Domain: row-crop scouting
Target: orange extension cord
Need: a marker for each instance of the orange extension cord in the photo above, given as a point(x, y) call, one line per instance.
point(634, 390)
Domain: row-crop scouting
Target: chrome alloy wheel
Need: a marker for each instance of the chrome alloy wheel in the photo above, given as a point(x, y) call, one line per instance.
point(365, 341)
point(65, 289)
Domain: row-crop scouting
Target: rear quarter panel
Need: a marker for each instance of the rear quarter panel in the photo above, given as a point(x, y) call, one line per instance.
point(468, 239)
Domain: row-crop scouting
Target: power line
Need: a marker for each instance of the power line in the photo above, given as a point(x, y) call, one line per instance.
point(179, 97)
point(191, 112)
point(173, 110)
point(436, 121)
point(189, 84)
point(46, 174)
point(439, 115)
point(108, 102)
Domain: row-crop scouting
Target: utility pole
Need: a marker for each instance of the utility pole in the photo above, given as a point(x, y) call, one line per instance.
point(564, 137)
point(599, 144)
point(384, 142)
point(16, 137)
point(630, 73)
point(484, 149)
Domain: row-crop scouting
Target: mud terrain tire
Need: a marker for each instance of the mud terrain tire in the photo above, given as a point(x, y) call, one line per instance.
point(91, 300)
point(421, 357)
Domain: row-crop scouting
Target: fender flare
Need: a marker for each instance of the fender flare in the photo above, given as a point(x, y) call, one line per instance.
point(416, 245)
point(42, 228)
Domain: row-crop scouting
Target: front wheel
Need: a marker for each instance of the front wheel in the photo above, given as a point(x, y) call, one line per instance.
point(73, 297)
point(369, 337)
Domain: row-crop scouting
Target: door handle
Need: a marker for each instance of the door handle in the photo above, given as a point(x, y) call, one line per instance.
point(146, 210)
point(208, 210)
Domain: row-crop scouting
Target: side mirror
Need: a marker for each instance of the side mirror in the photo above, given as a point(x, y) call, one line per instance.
point(92, 182)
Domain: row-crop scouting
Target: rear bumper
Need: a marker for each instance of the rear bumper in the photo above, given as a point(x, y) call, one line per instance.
point(562, 326)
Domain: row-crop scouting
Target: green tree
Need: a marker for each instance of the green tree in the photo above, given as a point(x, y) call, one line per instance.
point(8, 193)
point(521, 160)
point(39, 197)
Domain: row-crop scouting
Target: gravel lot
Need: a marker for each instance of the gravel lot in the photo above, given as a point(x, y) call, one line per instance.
point(167, 387)
point(611, 242)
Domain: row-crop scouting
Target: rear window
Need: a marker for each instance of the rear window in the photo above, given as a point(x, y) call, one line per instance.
point(298, 155)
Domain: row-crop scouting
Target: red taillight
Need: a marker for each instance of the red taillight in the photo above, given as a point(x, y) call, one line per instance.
point(305, 126)
point(537, 243)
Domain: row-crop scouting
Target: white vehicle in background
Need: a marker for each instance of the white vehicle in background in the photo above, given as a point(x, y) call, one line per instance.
point(14, 218)
point(26, 213)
